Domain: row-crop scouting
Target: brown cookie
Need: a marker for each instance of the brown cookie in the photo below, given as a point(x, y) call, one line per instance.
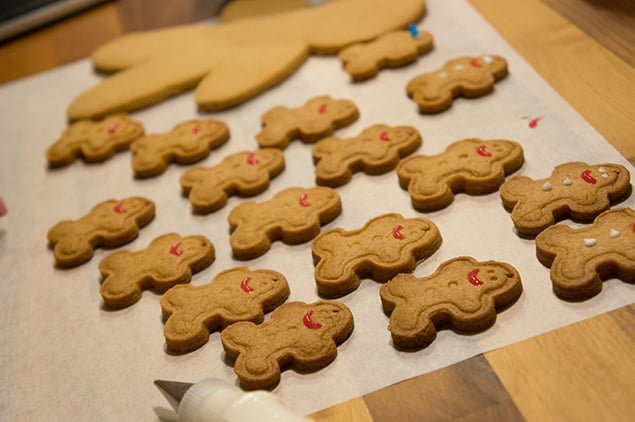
point(293, 215)
point(94, 141)
point(386, 246)
point(244, 173)
point(579, 190)
point(470, 77)
point(168, 260)
point(472, 166)
point(316, 119)
point(463, 292)
point(239, 294)
point(298, 334)
point(110, 223)
point(186, 143)
point(375, 151)
point(581, 258)
point(393, 49)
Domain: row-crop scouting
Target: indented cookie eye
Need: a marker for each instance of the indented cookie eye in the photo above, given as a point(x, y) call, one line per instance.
point(493, 278)
point(463, 156)
point(491, 271)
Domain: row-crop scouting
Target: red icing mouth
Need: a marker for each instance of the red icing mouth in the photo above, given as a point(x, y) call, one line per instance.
point(482, 151)
point(322, 108)
point(308, 321)
point(196, 130)
point(119, 209)
point(586, 176)
point(251, 159)
point(473, 279)
point(175, 249)
point(475, 63)
point(396, 232)
point(303, 200)
point(112, 129)
point(384, 136)
point(244, 285)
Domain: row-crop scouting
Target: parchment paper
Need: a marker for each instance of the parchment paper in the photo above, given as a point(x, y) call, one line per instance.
point(63, 357)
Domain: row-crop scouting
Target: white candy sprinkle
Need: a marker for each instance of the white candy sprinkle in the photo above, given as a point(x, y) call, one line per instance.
point(602, 170)
point(488, 59)
point(605, 175)
point(547, 186)
point(614, 233)
point(567, 181)
point(443, 75)
point(590, 242)
point(458, 67)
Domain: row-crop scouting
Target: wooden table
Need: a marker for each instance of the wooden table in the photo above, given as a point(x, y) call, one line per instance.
point(586, 51)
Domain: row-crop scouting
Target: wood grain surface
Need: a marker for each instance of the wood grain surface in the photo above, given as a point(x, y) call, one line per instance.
point(586, 50)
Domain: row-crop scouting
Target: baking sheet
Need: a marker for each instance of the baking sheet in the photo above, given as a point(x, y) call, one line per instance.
point(63, 357)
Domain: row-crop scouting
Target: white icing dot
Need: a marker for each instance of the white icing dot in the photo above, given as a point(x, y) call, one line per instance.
point(614, 233)
point(458, 67)
point(605, 175)
point(443, 75)
point(547, 186)
point(567, 181)
point(590, 242)
point(602, 170)
point(488, 59)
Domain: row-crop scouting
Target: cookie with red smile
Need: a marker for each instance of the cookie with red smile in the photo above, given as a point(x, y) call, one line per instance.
point(579, 190)
point(472, 166)
point(386, 246)
point(462, 292)
point(581, 258)
point(298, 334)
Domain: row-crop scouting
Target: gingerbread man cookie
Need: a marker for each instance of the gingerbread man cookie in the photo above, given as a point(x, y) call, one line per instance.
point(470, 77)
point(94, 141)
point(110, 223)
point(316, 119)
point(239, 294)
point(463, 292)
point(386, 246)
point(168, 260)
point(472, 166)
point(579, 190)
point(375, 151)
point(298, 334)
point(186, 143)
point(393, 49)
point(293, 215)
point(581, 258)
point(244, 173)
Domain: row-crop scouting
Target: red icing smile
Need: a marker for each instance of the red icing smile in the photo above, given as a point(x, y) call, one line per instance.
point(309, 323)
point(175, 249)
point(473, 279)
point(244, 285)
point(196, 130)
point(303, 200)
point(586, 176)
point(322, 108)
point(251, 159)
point(482, 151)
point(396, 232)
point(119, 209)
point(384, 136)
point(112, 129)
point(476, 63)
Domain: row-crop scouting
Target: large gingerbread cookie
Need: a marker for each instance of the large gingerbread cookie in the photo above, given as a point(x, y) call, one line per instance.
point(110, 223)
point(581, 258)
point(298, 334)
point(472, 166)
point(94, 141)
point(376, 150)
point(316, 119)
point(168, 260)
point(239, 294)
point(394, 49)
point(230, 63)
point(469, 77)
point(463, 292)
point(186, 143)
point(386, 246)
point(579, 190)
point(293, 215)
point(244, 173)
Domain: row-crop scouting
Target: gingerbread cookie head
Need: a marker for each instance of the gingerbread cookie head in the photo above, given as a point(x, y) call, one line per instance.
point(469, 77)
point(168, 260)
point(110, 223)
point(579, 190)
point(581, 258)
point(245, 173)
point(316, 119)
point(464, 292)
point(239, 294)
point(384, 247)
point(301, 335)
point(94, 141)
